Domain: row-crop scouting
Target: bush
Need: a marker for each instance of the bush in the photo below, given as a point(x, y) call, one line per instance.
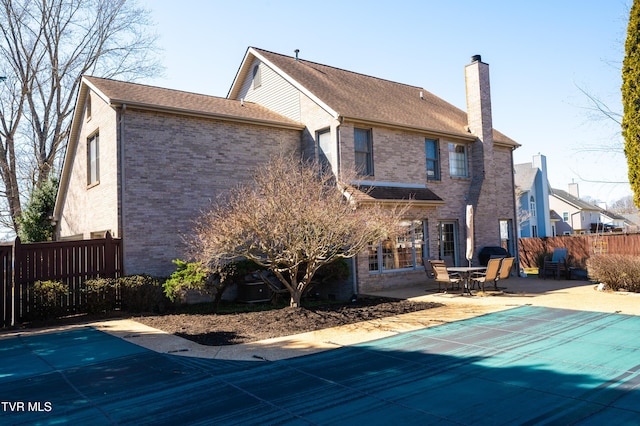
point(187, 276)
point(142, 293)
point(102, 295)
point(49, 300)
point(206, 281)
point(616, 271)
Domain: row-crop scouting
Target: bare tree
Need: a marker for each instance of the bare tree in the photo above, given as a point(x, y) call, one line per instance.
point(292, 219)
point(45, 48)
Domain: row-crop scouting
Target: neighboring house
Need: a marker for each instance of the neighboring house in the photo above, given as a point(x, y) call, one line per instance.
point(532, 198)
point(610, 222)
point(577, 215)
point(165, 161)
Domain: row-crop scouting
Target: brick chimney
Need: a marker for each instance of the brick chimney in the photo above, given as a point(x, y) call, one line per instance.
point(482, 189)
point(479, 100)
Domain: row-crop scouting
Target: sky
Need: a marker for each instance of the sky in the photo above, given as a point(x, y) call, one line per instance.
point(543, 57)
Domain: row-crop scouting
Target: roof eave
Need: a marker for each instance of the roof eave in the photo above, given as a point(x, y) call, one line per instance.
point(195, 113)
point(359, 120)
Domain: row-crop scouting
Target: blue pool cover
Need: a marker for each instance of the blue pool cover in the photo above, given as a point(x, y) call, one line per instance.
point(527, 365)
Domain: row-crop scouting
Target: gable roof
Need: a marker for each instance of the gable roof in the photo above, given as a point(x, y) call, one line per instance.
point(360, 97)
point(119, 93)
point(572, 200)
point(142, 96)
point(525, 176)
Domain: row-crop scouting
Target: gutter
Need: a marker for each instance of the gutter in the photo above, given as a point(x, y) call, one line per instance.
point(200, 114)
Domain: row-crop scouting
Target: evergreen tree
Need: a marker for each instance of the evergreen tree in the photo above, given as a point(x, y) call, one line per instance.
point(631, 100)
point(35, 222)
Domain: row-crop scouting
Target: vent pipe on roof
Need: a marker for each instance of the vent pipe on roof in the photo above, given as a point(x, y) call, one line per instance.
point(297, 51)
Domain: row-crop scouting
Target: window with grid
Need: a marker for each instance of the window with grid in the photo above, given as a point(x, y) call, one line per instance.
point(433, 159)
point(532, 206)
point(458, 160)
point(363, 152)
point(405, 252)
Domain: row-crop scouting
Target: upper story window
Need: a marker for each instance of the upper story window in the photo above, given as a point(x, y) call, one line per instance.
point(88, 108)
point(93, 160)
point(325, 149)
point(257, 77)
point(565, 216)
point(432, 150)
point(532, 206)
point(458, 160)
point(363, 151)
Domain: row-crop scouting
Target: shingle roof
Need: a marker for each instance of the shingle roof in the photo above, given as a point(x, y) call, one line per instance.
point(525, 176)
point(359, 96)
point(395, 193)
point(132, 94)
point(575, 201)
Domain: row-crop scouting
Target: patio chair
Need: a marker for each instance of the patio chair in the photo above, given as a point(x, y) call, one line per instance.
point(505, 268)
point(441, 274)
point(492, 274)
point(557, 264)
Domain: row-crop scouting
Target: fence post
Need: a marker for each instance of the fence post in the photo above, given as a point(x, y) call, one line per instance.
point(109, 256)
point(16, 281)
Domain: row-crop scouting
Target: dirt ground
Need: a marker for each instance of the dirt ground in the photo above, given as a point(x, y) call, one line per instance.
point(236, 328)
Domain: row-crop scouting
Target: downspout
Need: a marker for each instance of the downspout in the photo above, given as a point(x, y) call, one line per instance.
point(515, 225)
point(123, 204)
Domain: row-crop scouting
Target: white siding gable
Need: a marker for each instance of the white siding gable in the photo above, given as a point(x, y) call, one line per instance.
point(274, 93)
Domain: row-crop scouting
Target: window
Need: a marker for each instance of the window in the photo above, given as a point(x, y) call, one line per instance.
point(448, 237)
point(326, 150)
point(257, 77)
point(93, 160)
point(534, 231)
point(363, 151)
point(433, 160)
point(88, 108)
point(565, 216)
point(532, 206)
point(458, 160)
point(406, 252)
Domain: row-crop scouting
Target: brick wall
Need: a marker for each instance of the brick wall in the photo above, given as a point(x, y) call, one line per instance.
point(177, 166)
point(77, 219)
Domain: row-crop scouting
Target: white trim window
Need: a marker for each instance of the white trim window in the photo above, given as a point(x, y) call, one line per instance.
point(458, 160)
point(406, 252)
point(532, 206)
point(93, 160)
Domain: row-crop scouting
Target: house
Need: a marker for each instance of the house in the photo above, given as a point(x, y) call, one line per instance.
point(143, 161)
point(532, 199)
point(576, 215)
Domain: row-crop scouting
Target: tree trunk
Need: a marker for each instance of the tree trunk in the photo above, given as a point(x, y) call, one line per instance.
point(296, 296)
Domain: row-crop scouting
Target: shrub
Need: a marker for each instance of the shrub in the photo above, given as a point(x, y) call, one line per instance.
point(616, 271)
point(142, 293)
point(541, 257)
point(49, 300)
point(208, 281)
point(102, 295)
point(187, 276)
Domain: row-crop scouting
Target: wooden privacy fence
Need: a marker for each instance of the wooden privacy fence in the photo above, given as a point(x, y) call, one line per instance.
point(579, 247)
point(70, 262)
